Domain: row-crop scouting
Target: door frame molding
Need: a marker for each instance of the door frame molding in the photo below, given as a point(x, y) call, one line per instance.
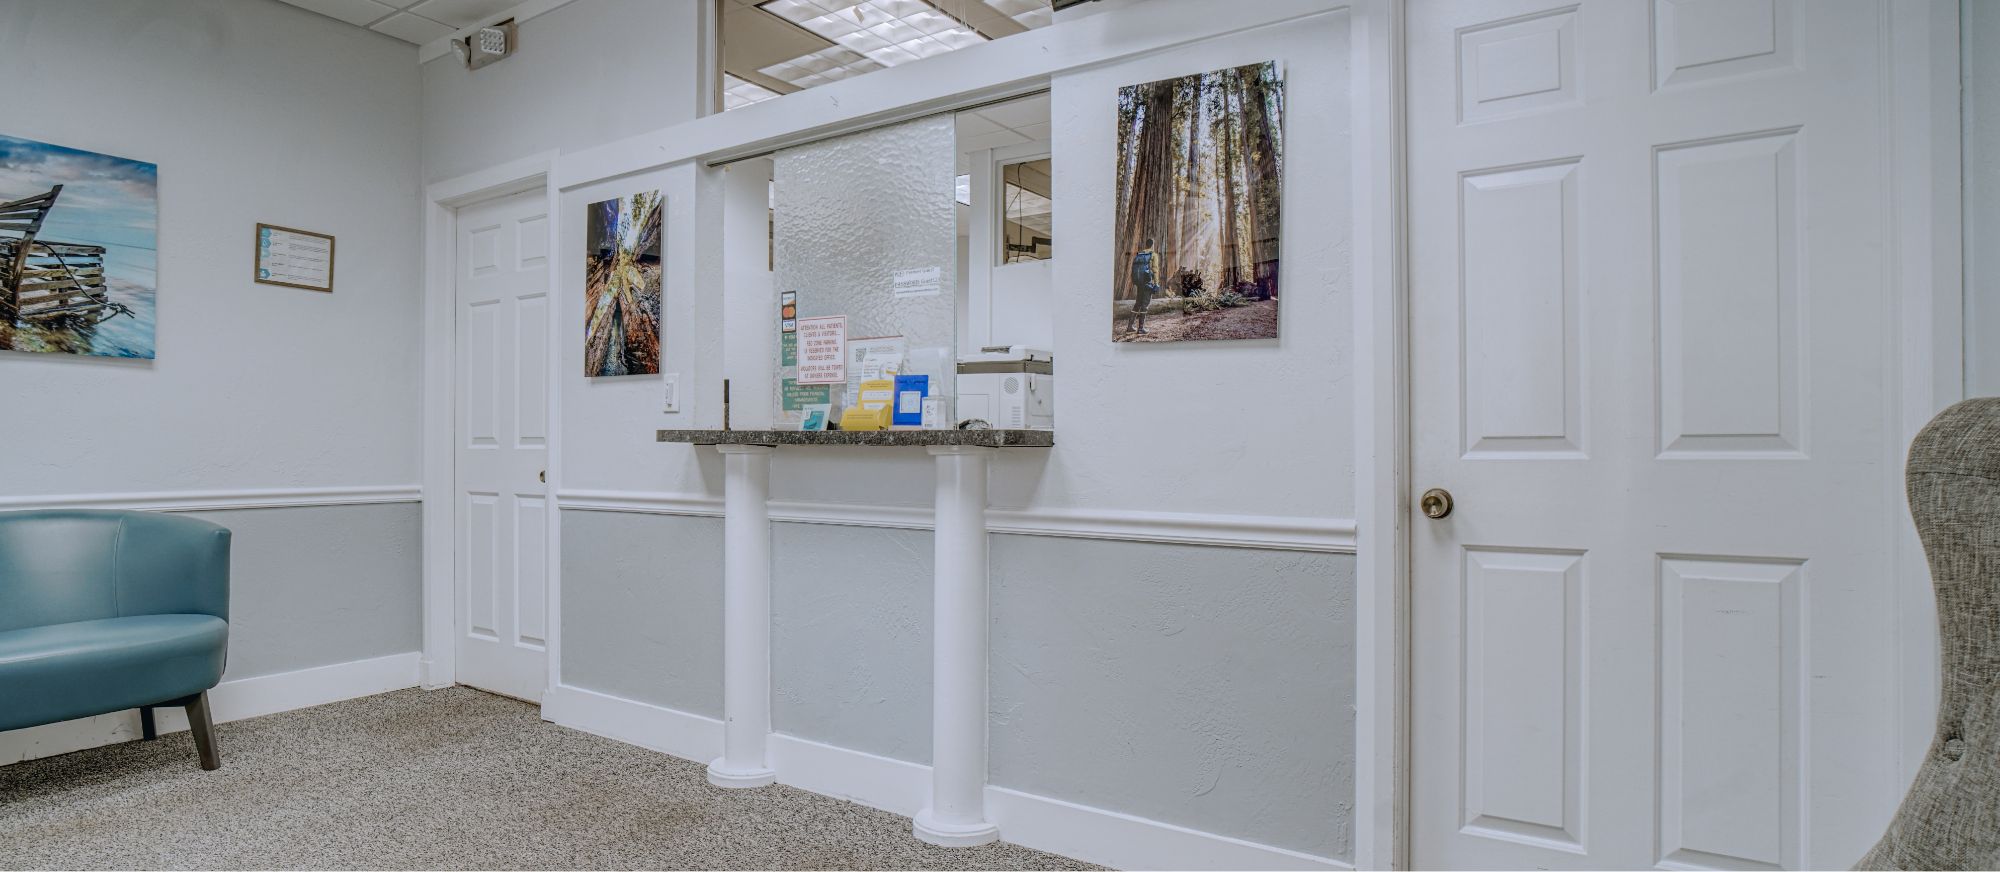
point(1923, 123)
point(1926, 255)
point(438, 414)
point(1381, 440)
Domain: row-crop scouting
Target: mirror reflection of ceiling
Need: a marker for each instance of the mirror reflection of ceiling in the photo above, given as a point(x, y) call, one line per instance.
point(775, 47)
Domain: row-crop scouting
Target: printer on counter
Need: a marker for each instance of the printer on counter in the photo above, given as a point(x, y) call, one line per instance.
point(1012, 387)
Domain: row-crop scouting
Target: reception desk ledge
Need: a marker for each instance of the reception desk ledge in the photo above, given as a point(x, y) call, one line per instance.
point(884, 438)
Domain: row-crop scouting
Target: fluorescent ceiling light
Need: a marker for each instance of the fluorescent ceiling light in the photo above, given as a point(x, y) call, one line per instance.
point(871, 34)
point(738, 92)
point(1029, 209)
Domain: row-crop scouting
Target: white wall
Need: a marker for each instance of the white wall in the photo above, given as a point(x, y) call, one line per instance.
point(254, 111)
point(586, 73)
point(1233, 428)
point(590, 72)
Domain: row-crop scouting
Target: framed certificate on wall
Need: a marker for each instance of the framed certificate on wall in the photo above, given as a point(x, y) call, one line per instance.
point(294, 258)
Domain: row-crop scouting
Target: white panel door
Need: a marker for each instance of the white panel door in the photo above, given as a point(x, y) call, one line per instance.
point(1650, 361)
point(503, 409)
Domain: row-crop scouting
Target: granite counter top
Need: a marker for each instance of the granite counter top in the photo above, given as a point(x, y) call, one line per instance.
point(881, 438)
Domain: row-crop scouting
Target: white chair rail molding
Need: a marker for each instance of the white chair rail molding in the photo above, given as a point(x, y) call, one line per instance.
point(998, 434)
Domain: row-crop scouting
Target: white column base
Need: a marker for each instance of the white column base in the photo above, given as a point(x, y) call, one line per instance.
point(720, 775)
point(953, 835)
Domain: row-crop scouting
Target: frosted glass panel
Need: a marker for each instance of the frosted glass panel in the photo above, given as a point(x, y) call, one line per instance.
point(865, 227)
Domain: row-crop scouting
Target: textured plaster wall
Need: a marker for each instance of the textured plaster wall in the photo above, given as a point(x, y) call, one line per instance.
point(1207, 687)
point(320, 585)
point(642, 608)
point(851, 637)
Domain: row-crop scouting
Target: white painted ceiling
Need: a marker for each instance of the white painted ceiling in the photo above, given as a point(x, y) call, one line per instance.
point(412, 21)
point(1002, 124)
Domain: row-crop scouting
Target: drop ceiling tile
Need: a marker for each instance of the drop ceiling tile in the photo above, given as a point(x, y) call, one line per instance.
point(412, 28)
point(995, 139)
point(463, 13)
point(975, 124)
point(1019, 113)
point(360, 13)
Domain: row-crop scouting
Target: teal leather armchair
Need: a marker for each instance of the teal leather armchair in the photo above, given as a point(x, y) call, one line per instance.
point(102, 611)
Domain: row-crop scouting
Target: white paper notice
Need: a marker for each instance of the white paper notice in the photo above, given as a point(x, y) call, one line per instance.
point(288, 257)
point(872, 358)
point(823, 350)
point(926, 282)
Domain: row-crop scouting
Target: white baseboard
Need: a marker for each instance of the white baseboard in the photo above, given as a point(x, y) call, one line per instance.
point(229, 701)
point(1123, 841)
point(891, 785)
point(682, 734)
point(1095, 835)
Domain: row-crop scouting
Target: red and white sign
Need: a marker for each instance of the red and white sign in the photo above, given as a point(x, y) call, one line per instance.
point(823, 350)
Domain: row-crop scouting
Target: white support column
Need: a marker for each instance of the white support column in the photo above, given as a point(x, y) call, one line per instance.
point(956, 816)
point(746, 618)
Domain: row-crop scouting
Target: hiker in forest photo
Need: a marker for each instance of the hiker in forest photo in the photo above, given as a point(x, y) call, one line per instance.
point(1145, 282)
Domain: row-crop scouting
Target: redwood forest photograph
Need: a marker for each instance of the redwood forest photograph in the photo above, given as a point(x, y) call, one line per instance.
point(621, 286)
point(1200, 160)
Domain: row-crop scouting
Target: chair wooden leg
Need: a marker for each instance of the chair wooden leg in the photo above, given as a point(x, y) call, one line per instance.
point(204, 731)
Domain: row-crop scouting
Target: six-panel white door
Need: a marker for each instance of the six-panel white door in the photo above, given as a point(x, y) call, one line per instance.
point(1651, 355)
point(503, 505)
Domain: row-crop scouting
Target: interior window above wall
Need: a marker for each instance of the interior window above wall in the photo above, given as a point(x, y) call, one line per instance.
point(775, 47)
point(1024, 212)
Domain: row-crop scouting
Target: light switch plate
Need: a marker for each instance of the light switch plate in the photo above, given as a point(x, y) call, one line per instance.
point(673, 401)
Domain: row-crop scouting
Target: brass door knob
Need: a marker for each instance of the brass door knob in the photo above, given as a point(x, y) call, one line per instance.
point(1435, 502)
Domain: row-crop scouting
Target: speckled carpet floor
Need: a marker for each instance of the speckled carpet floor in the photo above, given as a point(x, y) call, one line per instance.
point(448, 779)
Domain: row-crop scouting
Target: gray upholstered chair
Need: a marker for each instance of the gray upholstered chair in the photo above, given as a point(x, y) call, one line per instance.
point(1951, 817)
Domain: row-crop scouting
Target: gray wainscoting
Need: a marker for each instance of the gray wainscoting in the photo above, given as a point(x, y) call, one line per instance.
point(851, 637)
point(1207, 687)
point(642, 608)
point(319, 585)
